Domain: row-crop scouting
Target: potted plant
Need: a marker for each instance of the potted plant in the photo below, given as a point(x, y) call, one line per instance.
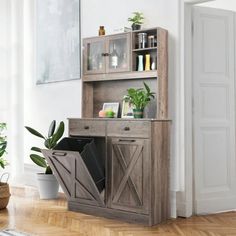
point(136, 20)
point(47, 183)
point(139, 98)
point(4, 187)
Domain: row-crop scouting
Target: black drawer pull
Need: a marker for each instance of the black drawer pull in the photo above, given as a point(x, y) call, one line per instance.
point(126, 128)
point(86, 127)
point(128, 141)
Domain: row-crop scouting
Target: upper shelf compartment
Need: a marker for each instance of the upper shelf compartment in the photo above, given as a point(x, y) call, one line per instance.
point(107, 54)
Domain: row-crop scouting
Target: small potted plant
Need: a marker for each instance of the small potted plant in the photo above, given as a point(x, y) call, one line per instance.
point(136, 20)
point(139, 98)
point(47, 183)
point(4, 187)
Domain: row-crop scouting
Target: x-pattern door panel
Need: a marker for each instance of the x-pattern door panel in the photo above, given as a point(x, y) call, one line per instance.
point(129, 174)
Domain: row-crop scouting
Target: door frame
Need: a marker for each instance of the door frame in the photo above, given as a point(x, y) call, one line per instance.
point(185, 197)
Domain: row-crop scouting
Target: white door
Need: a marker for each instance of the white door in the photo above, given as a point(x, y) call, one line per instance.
point(214, 110)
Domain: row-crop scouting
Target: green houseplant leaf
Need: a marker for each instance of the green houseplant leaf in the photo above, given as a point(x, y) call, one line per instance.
point(140, 97)
point(52, 129)
point(34, 132)
point(58, 134)
point(3, 145)
point(38, 160)
point(50, 142)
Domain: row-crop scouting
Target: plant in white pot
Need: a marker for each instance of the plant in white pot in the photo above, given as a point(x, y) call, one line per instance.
point(47, 183)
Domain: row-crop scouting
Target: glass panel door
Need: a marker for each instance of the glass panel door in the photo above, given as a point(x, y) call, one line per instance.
point(119, 53)
point(94, 56)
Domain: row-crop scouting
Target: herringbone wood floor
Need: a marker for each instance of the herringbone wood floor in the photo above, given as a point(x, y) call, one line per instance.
point(50, 218)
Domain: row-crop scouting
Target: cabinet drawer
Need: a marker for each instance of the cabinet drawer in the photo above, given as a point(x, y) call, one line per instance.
point(86, 127)
point(139, 129)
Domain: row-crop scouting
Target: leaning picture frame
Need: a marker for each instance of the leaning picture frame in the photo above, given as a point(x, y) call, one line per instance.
point(114, 106)
point(58, 44)
point(127, 109)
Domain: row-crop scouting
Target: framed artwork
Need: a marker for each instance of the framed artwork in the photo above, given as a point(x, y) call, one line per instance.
point(114, 106)
point(57, 40)
point(127, 109)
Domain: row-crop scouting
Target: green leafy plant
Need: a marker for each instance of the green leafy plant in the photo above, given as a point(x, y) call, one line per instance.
point(50, 141)
point(137, 18)
point(139, 97)
point(3, 145)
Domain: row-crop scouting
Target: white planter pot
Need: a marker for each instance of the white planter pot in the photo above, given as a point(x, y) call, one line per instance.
point(48, 186)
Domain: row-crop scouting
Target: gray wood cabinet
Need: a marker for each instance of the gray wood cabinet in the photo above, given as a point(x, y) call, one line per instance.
point(134, 152)
point(136, 170)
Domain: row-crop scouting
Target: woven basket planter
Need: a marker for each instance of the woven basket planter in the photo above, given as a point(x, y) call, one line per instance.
point(4, 195)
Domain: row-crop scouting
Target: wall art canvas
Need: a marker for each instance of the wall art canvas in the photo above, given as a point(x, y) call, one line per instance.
point(57, 40)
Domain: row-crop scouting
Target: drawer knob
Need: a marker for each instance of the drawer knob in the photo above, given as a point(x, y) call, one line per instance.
point(126, 128)
point(86, 127)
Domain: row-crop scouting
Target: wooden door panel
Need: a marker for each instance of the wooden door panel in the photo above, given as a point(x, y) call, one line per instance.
point(74, 177)
point(214, 110)
point(129, 172)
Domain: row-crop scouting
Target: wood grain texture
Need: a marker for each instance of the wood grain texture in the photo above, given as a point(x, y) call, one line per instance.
point(87, 127)
point(87, 100)
point(129, 161)
point(137, 164)
point(160, 173)
point(27, 213)
point(162, 73)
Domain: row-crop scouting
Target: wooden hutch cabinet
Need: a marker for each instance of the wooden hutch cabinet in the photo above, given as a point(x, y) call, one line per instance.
point(134, 152)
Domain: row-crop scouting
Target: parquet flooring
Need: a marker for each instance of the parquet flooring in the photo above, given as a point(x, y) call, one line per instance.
point(51, 218)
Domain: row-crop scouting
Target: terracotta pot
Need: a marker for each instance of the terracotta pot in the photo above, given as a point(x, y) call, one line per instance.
point(4, 195)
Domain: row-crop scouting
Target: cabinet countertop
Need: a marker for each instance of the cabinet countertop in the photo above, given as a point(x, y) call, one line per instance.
point(123, 119)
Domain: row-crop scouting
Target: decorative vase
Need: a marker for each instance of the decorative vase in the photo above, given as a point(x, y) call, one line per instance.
point(101, 31)
point(48, 186)
point(147, 64)
point(138, 113)
point(140, 63)
point(135, 27)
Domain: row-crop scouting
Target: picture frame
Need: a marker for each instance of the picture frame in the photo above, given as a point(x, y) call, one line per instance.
point(127, 109)
point(58, 44)
point(114, 106)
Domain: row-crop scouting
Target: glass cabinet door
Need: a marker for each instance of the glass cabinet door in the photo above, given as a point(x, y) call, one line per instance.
point(119, 53)
point(94, 59)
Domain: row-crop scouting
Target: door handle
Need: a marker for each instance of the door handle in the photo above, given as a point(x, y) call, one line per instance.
point(86, 127)
point(126, 128)
point(61, 154)
point(127, 140)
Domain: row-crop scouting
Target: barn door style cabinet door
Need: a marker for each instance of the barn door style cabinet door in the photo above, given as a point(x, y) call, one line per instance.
point(107, 54)
point(128, 173)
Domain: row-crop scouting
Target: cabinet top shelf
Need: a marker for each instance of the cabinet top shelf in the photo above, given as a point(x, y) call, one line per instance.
point(122, 119)
point(144, 49)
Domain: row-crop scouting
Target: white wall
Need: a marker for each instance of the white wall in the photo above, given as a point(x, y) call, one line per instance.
point(221, 4)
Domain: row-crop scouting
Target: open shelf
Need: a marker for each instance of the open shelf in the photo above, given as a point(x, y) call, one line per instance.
point(144, 49)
